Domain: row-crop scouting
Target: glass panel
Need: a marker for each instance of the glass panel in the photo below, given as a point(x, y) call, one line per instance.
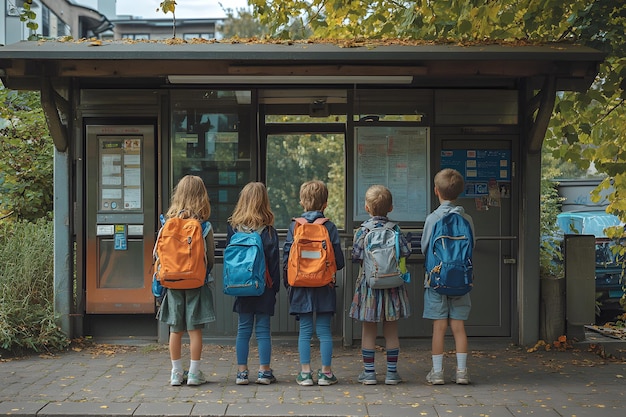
point(392, 105)
point(211, 139)
point(295, 158)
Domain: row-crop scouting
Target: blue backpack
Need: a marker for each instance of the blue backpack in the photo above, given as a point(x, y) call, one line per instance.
point(449, 256)
point(244, 265)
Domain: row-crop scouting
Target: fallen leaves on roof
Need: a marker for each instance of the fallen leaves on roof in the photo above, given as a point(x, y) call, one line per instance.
point(342, 43)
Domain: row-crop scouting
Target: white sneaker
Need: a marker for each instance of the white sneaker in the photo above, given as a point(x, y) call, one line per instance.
point(435, 378)
point(176, 379)
point(461, 377)
point(195, 379)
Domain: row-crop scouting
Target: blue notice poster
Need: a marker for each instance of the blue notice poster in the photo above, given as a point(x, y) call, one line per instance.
point(482, 168)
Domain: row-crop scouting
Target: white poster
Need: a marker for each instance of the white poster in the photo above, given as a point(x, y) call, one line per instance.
point(398, 158)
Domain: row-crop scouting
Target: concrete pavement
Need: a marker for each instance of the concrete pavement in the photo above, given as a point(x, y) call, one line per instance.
point(133, 380)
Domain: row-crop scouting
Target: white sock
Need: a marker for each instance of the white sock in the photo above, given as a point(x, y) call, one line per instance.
point(177, 365)
point(438, 363)
point(461, 361)
point(194, 366)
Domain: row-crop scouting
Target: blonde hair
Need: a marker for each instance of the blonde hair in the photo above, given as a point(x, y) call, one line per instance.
point(190, 199)
point(449, 182)
point(379, 200)
point(313, 195)
point(253, 208)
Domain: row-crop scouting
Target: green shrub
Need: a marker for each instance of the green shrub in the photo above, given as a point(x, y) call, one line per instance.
point(550, 256)
point(26, 288)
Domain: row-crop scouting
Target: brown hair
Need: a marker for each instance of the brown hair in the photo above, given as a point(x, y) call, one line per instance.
point(190, 199)
point(253, 208)
point(313, 195)
point(378, 200)
point(449, 182)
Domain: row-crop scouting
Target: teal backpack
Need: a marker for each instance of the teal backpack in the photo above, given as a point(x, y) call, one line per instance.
point(244, 265)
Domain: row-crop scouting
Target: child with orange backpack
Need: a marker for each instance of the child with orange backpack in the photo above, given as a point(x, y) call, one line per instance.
point(253, 214)
point(312, 255)
point(188, 303)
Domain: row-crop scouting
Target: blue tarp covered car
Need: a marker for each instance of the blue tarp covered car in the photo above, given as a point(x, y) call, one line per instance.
point(609, 267)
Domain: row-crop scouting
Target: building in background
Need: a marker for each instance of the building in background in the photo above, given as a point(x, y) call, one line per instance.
point(94, 19)
point(137, 28)
point(55, 18)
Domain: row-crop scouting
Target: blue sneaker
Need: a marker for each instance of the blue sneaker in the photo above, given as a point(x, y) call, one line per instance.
point(265, 377)
point(242, 378)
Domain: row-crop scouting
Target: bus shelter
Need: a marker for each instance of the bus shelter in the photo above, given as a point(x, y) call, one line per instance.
point(128, 119)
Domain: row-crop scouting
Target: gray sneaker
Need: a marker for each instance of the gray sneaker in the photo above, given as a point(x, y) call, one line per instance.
point(392, 378)
point(462, 377)
point(367, 378)
point(435, 378)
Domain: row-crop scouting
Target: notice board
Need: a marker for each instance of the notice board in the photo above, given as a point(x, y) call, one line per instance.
point(120, 173)
point(396, 157)
point(487, 174)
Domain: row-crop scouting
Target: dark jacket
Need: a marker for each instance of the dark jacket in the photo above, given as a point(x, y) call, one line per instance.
point(312, 300)
point(264, 303)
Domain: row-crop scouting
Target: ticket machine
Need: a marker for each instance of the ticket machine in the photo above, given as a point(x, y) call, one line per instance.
point(120, 184)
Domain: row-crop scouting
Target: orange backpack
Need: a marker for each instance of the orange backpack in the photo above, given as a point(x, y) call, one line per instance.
point(180, 254)
point(311, 257)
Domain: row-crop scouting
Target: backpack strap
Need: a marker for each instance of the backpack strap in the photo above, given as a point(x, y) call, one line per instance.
point(302, 220)
point(206, 228)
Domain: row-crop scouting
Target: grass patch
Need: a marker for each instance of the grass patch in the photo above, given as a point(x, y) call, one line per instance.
point(27, 321)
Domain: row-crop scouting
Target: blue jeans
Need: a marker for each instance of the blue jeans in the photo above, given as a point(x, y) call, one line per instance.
point(322, 329)
point(262, 334)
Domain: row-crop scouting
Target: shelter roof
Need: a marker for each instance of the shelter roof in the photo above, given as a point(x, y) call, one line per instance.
point(574, 66)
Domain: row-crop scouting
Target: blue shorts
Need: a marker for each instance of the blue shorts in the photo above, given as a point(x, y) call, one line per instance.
point(438, 307)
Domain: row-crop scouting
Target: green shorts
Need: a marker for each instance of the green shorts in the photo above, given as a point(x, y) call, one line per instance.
point(188, 309)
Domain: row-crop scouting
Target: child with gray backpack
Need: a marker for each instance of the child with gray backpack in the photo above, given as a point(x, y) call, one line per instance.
point(381, 294)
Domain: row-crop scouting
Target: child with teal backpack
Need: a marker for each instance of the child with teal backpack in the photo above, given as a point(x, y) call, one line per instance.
point(253, 214)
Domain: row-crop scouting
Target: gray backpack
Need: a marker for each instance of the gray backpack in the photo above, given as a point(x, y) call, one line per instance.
point(381, 257)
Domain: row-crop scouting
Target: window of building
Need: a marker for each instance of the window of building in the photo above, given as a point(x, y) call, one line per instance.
point(136, 36)
point(190, 36)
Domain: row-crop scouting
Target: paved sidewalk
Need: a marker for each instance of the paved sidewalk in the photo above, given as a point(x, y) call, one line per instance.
point(120, 380)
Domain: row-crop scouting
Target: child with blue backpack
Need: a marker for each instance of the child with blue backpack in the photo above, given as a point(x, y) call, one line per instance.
point(305, 302)
point(189, 309)
point(371, 305)
point(253, 214)
point(446, 309)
